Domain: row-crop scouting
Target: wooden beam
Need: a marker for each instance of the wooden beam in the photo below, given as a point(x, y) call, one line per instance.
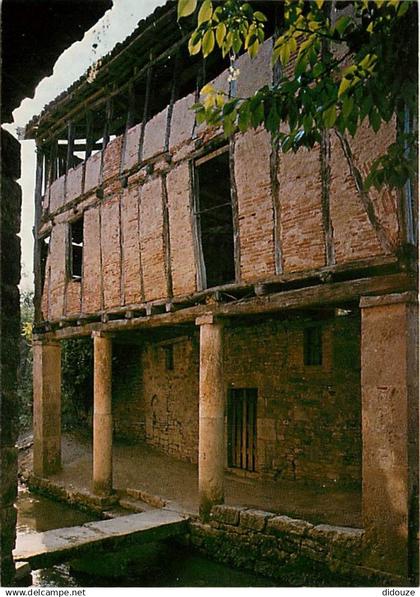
point(166, 239)
point(145, 108)
point(365, 199)
point(325, 159)
point(309, 297)
point(235, 211)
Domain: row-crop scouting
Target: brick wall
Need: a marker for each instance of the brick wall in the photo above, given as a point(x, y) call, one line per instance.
point(308, 416)
point(296, 219)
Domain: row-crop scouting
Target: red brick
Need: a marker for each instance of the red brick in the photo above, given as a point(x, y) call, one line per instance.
point(181, 239)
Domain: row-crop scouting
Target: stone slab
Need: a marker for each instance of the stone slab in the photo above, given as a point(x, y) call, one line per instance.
point(59, 545)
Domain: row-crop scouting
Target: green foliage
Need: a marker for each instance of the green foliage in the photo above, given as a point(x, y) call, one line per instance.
point(24, 388)
point(336, 73)
point(77, 374)
point(77, 381)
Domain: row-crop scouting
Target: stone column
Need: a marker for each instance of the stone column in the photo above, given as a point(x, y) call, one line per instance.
point(47, 407)
point(102, 414)
point(211, 444)
point(389, 379)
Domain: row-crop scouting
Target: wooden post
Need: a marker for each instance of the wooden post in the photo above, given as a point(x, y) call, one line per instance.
point(37, 247)
point(174, 94)
point(53, 161)
point(145, 107)
point(389, 379)
point(89, 134)
point(70, 146)
point(102, 414)
point(47, 407)
point(107, 125)
point(211, 443)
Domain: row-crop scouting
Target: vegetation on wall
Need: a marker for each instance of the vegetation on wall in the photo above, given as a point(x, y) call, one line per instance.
point(77, 374)
point(338, 64)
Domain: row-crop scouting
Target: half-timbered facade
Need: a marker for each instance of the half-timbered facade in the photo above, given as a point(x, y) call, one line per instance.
point(262, 304)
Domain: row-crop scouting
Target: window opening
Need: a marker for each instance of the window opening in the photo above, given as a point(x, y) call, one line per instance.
point(313, 346)
point(242, 428)
point(215, 220)
point(76, 256)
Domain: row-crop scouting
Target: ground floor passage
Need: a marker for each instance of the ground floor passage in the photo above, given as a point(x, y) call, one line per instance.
point(145, 468)
point(296, 405)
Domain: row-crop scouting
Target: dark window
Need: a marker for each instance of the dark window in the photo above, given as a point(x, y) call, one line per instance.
point(76, 255)
point(44, 245)
point(169, 357)
point(313, 346)
point(242, 428)
point(214, 220)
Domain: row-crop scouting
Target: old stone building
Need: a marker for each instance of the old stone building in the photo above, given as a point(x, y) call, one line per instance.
point(260, 307)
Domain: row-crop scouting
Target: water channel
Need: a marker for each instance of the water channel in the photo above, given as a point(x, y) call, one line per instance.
point(164, 564)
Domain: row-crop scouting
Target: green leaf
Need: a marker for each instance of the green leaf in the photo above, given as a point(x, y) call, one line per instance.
point(253, 50)
point(244, 118)
point(329, 117)
point(272, 122)
point(260, 16)
point(375, 120)
point(205, 12)
point(186, 7)
point(220, 34)
point(194, 48)
point(319, 3)
point(344, 85)
point(237, 42)
point(341, 24)
point(257, 113)
point(208, 43)
point(402, 9)
point(348, 104)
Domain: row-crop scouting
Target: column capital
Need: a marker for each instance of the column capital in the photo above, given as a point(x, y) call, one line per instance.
point(101, 334)
point(40, 341)
point(409, 297)
point(208, 319)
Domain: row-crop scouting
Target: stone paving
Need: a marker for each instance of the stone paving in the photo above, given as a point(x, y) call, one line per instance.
point(157, 476)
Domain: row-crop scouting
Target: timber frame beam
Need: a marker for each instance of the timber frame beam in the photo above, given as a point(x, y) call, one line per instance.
point(328, 293)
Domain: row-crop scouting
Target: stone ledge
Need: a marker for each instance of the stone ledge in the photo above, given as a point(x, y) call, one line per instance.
point(226, 514)
point(254, 520)
point(284, 525)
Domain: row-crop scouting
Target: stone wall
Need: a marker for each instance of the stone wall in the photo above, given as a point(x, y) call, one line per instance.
point(309, 417)
point(282, 548)
point(291, 215)
point(10, 333)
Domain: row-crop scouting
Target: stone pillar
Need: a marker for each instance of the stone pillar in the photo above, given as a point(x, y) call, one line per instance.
point(389, 378)
point(102, 414)
point(47, 407)
point(211, 444)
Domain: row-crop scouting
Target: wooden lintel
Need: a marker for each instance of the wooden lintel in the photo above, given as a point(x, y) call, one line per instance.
point(309, 297)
